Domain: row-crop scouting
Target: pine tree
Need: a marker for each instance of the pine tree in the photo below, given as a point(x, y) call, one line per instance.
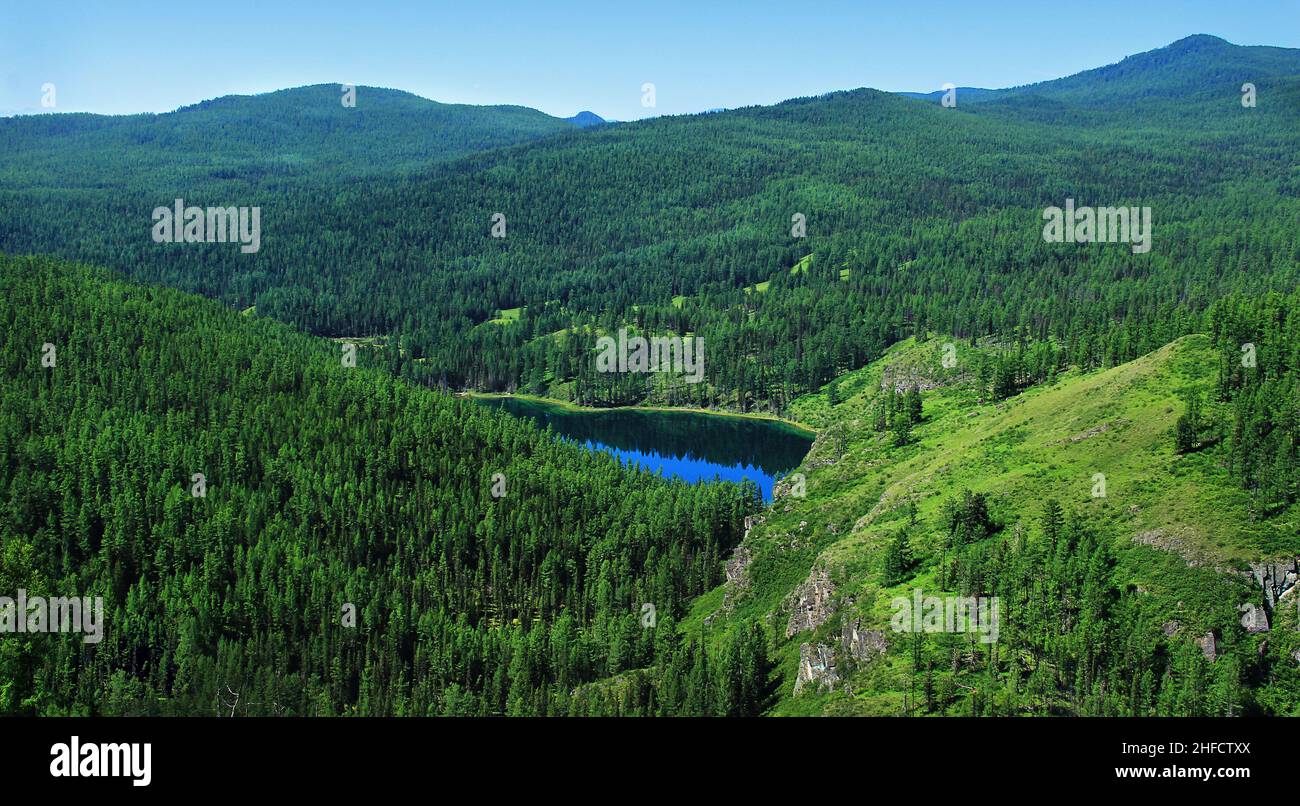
point(914, 404)
point(1187, 429)
point(898, 559)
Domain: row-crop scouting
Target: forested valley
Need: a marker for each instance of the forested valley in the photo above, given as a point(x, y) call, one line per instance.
point(276, 531)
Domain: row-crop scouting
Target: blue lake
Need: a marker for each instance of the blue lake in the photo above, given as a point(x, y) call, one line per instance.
point(692, 446)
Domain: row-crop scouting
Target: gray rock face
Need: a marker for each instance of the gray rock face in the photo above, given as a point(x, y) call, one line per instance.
point(1296, 655)
point(738, 564)
point(1175, 542)
point(863, 645)
point(1171, 627)
point(811, 603)
point(901, 379)
point(1209, 646)
point(1276, 578)
point(1254, 618)
point(816, 668)
point(785, 487)
point(736, 570)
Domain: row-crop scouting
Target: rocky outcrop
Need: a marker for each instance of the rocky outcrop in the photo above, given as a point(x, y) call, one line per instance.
point(901, 378)
point(827, 449)
point(811, 603)
point(1254, 618)
point(819, 665)
point(1171, 627)
point(737, 571)
point(1209, 646)
point(737, 566)
point(1276, 578)
point(794, 485)
point(1091, 432)
point(1184, 545)
point(862, 645)
point(816, 668)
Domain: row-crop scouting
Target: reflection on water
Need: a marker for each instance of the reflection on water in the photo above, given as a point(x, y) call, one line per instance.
point(695, 447)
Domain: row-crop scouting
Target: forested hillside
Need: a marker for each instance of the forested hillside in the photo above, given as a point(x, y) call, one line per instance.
point(1186, 74)
point(324, 486)
point(256, 139)
point(1183, 79)
point(1137, 524)
point(917, 216)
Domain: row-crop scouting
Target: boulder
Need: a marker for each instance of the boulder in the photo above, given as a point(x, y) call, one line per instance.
point(1209, 646)
point(1254, 618)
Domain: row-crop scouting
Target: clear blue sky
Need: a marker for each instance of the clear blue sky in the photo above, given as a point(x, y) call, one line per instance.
point(561, 57)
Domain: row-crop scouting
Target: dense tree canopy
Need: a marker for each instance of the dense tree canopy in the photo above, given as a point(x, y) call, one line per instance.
point(324, 486)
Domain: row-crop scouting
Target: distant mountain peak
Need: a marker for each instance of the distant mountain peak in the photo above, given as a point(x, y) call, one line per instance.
point(1196, 41)
point(1200, 66)
point(585, 119)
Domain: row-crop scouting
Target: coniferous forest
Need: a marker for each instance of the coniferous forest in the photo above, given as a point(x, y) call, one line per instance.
point(274, 468)
point(326, 487)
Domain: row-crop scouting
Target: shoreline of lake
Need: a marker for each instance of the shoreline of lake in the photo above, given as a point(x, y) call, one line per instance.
point(571, 406)
point(672, 441)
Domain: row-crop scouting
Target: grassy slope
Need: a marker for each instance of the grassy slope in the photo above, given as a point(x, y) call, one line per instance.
point(1047, 442)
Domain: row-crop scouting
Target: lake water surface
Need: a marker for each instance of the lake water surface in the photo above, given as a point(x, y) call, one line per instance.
point(695, 447)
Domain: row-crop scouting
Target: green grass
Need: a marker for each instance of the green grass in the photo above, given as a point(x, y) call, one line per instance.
point(1047, 442)
point(506, 315)
point(361, 341)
